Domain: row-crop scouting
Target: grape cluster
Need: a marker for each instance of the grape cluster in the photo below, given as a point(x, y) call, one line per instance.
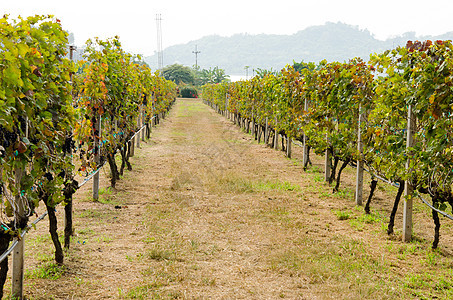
point(23, 123)
point(7, 138)
point(48, 176)
point(69, 145)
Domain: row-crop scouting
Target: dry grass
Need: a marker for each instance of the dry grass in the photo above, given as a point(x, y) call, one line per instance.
point(208, 213)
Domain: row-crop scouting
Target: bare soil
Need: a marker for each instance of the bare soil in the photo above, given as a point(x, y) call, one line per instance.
point(207, 213)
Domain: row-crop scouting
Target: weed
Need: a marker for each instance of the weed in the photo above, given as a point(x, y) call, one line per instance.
point(344, 194)
point(85, 231)
point(369, 218)
point(342, 215)
point(90, 213)
point(233, 183)
point(357, 224)
point(149, 240)
point(324, 194)
point(432, 257)
point(105, 191)
point(314, 169)
point(44, 257)
point(208, 282)
point(104, 239)
point(50, 271)
point(317, 177)
point(159, 255)
point(194, 244)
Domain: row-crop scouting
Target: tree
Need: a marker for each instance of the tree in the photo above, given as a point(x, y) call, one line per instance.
point(303, 65)
point(263, 72)
point(215, 75)
point(179, 74)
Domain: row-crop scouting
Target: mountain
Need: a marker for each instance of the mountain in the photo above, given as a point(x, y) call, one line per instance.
point(332, 41)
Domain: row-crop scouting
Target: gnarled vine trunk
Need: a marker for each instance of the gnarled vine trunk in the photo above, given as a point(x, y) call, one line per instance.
point(53, 227)
point(69, 190)
point(334, 168)
point(308, 162)
point(373, 185)
point(436, 228)
point(345, 163)
point(395, 206)
point(128, 154)
point(4, 244)
point(113, 170)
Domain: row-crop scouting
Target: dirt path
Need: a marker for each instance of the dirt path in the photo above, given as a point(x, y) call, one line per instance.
point(207, 213)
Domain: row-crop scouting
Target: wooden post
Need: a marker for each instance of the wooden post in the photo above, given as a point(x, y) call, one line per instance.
point(305, 150)
point(266, 132)
point(97, 158)
point(132, 152)
point(253, 125)
point(152, 117)
point(276, 136)
point(408, 188)
point(137, 137)
point(143, 123)
point(359, 177)
point(305, 141)
point(258, 134)
point(226, 105)
point(288, 147)
point(327, 163)
point(18, 253)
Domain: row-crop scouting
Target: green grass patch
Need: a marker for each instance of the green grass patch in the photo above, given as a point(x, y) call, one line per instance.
point(50, 271)
point(343, 215)
point(150, 291)
point(429, 286)
point(233, 183)
point(337, 265)
point(276, 185)
point(90, 213)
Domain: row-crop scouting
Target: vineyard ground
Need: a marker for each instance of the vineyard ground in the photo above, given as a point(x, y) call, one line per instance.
point(209, 213)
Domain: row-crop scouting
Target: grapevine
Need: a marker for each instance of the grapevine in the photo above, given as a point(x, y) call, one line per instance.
point(418, 75)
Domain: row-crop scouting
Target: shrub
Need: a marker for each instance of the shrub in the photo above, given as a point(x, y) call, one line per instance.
point(189, 92)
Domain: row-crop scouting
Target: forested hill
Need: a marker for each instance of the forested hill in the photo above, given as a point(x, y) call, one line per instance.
point(332, 41)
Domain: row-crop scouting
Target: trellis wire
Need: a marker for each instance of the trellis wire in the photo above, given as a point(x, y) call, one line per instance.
point(23, 233)
point(14, 244)
point(395, 184)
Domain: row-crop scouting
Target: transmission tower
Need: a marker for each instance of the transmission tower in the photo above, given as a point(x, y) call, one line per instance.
point(196, 57)
point(160, 53)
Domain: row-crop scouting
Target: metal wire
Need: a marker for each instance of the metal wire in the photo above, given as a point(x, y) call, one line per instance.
point(14, 244)
point(138, 131)
point(396, 184)
point(297, 143)
point(97, 171)
point(24, 232)
point(433, 208)
point(90, 176)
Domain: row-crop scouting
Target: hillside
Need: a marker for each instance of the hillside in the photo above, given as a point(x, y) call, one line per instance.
point(332, 41)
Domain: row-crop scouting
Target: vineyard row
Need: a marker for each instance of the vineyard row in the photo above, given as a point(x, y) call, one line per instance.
point(392, 116)
point(60, 121)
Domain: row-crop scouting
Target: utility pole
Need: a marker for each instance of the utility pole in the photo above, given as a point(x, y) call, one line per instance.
point(196, 56)
point(160, 55)
point(246, 72)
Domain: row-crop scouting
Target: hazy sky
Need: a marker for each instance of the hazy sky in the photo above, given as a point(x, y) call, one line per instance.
point(187, 20)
